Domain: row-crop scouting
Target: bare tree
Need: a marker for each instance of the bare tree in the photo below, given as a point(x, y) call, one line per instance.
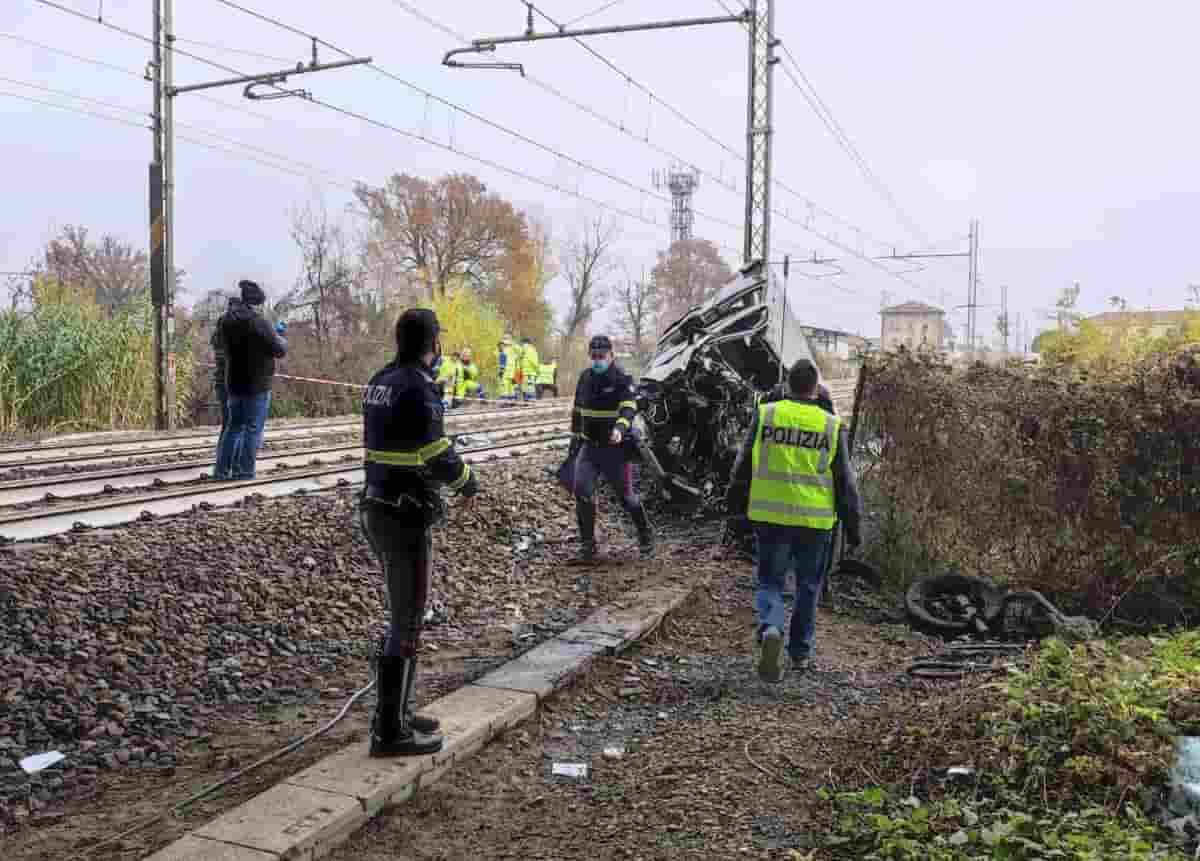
point(328, 276)
point(112, 270)
point(585, 261)
point(441, 231)
point(637, 312)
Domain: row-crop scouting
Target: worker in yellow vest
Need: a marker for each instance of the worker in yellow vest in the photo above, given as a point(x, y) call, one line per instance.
point(447, 377)
point(506, 355)
point(547, 379)
point(530, 368)
point(468, 378)
point(793, 481)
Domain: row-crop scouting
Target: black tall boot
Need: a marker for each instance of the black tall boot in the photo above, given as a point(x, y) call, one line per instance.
point(421, 723)
point(585, 516)
point(426, 724)
point(391, 733)
point(645, 533)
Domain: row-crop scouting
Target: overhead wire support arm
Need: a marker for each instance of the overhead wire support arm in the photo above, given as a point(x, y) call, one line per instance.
point(761, 41)
point(488, 44)
point(269, 77)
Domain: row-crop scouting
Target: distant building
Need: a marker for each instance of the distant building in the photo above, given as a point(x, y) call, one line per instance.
point(913, 325)
point(831, 341)
point(1152, 324)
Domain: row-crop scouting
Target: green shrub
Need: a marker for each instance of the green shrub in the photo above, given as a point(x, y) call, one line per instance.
point(69, 365)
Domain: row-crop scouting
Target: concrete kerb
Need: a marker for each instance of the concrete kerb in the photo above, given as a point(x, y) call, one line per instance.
point(311, 812)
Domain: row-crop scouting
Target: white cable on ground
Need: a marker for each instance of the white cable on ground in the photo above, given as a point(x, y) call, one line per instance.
point(205, 793)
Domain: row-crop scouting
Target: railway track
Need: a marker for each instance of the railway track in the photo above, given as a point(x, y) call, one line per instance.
point(54, 488)
point(108, 451)
point(114, 511)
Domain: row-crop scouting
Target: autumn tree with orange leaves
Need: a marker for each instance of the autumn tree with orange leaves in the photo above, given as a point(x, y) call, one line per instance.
point(449, 230)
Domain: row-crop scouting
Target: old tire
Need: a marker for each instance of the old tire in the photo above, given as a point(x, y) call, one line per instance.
point(985, 596)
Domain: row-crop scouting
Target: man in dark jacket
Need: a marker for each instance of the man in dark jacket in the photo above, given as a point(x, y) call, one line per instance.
point(601, 421)
point(220, 389)
point(251, 348)
point(408, 458)
point(793, 480)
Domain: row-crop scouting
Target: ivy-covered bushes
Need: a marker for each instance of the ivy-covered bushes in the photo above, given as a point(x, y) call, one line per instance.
point(1087, 489)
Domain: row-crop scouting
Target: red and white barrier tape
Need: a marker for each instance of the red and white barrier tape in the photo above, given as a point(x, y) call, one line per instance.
point(358, 385)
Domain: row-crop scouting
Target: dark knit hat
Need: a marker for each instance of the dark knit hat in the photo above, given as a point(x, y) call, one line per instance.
point(252, 294)
point(600, 342)
point(416, 330)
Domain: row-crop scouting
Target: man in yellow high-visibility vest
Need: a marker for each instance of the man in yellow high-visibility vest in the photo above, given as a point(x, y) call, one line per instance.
point(793, 481)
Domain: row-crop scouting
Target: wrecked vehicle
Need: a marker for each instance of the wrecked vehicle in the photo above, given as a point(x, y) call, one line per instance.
point(697, 397)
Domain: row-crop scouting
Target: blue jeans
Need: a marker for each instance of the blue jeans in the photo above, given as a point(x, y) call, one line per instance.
point(781, 549)
point(222, 399)
point(238, 449)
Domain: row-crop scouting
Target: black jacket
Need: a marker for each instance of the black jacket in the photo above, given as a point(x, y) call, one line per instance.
point(845, 488)
point(218, 347)
point(823, 399)
point(602, 401)
point(402, 414)
point(251, 348)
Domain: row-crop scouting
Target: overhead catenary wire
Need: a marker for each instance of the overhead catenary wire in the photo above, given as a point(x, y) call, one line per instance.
point(129, 73)
point(519, 174)
point(341, 181)
point(785, 215)
point(825, 237)
point(822, 110)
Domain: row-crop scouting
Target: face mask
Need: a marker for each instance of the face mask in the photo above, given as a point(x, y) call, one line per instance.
point(599, 366)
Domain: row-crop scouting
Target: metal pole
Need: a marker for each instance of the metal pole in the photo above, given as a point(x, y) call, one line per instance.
point(751, 84)
point(783, 317)
point(768, 131)
point(157, 252)
point(169, 211)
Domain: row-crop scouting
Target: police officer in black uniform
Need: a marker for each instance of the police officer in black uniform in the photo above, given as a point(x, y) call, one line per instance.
point(408, 458)
point(601, 422)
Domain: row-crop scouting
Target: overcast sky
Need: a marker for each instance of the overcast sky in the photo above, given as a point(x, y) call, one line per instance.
point(1068, 128)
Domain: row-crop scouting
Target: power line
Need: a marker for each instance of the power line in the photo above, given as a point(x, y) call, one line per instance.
point(236, 143)
point(826, 116)
point(131, 73)
point(594, 12)
point(808, 201)
point(419, 137)
point(255, 54)
point(629, 79)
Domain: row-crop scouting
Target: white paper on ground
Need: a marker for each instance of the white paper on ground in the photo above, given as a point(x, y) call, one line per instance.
point(38, 761)
point(570, 769)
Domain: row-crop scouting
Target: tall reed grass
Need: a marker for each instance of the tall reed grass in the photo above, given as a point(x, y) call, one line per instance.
point(68, 365)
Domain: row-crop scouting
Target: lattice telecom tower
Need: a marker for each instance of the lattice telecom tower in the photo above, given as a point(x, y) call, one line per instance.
point(682, 184)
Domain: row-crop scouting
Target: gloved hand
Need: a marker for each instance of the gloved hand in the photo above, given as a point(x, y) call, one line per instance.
point(280, 327)
point(616, 436)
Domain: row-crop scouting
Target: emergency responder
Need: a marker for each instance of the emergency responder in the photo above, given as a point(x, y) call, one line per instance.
point(507, 355)
point(407, 458)
point(547, 379)
point(468, 378)
point(601, 423)
point(793, 480)
point(530, 367)
point(448, 373)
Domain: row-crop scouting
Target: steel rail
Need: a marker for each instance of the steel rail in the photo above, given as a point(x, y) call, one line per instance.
point(102, 452)
point(24, 491)
point(114, 512)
